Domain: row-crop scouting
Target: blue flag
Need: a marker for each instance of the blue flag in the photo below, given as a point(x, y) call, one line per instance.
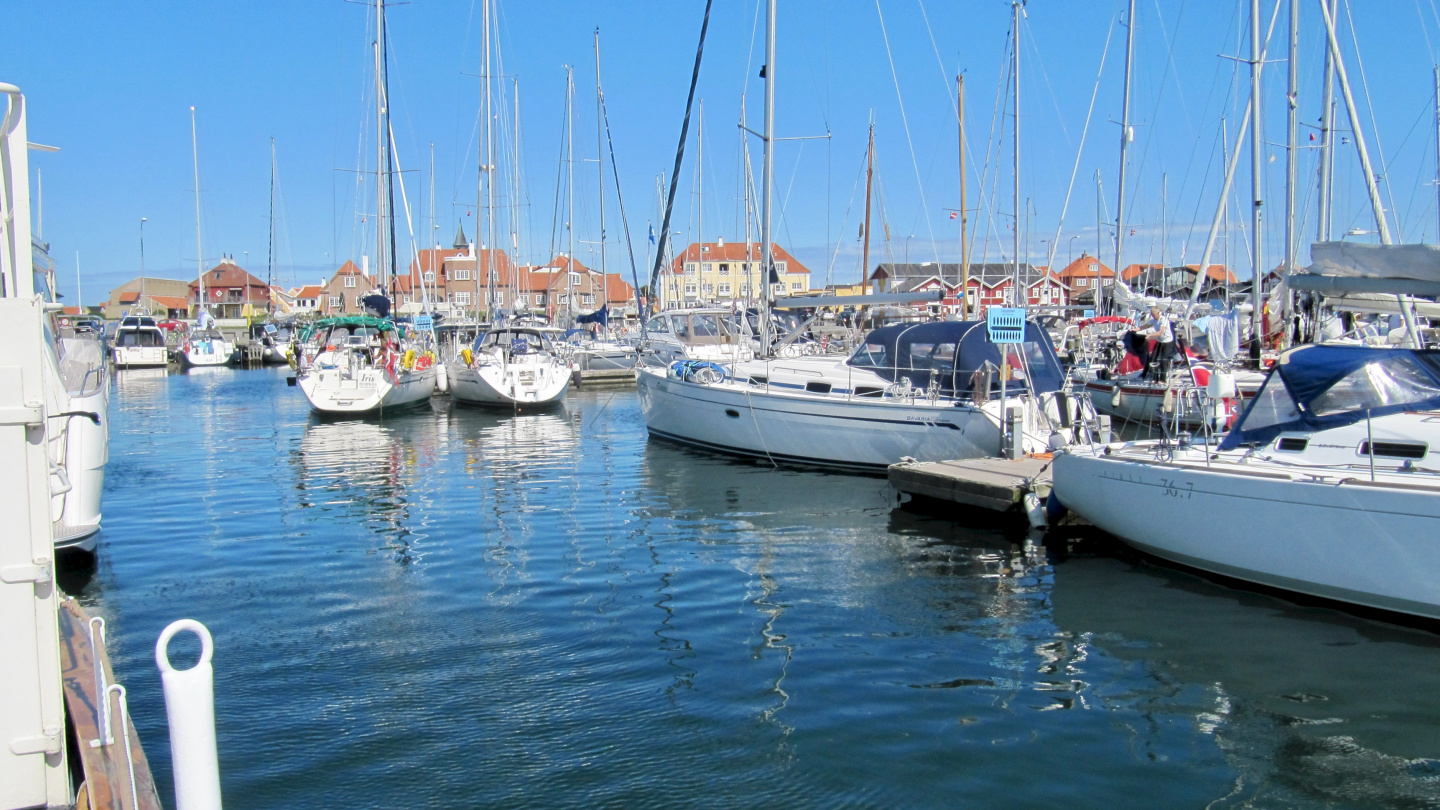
point(652, 233)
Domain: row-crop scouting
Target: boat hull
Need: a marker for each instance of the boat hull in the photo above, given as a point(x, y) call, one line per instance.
point(140, 356)
point(367, 391)
point(206, 353)
point(510, 385)
point(811, 431)
point(1353, 541)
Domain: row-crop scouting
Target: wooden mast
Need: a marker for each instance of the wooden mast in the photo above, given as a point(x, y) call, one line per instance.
point(869, 176)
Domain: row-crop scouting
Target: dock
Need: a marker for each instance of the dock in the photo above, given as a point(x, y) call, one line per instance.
point(594, 377)
point(997, 484)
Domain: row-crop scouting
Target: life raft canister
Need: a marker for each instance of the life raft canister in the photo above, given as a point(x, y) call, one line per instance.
point(408, 361)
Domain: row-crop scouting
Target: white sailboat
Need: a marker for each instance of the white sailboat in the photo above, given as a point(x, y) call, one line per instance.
point(912, 391)
point(205, 345)
point(368, 363)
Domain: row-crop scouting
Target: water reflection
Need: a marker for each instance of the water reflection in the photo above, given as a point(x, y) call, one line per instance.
point(1301, 700)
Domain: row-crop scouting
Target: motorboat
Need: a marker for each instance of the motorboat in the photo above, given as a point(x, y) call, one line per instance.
point(139, 343)
point(360, 364)
point(509, 366)
point(924, 392)
point(710, 334)
point(1325, 487)
point(274, 340)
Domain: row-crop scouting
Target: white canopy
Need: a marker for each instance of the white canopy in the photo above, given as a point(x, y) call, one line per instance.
point(1352, 267)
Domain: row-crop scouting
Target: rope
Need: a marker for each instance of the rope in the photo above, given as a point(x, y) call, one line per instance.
point(905, 121)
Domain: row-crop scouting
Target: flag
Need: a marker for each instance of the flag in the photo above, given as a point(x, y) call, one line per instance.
point(1312, 136)
point(954, 214)
point(652, 233)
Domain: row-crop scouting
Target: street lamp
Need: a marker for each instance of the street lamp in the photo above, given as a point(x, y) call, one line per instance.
point(143, 220)
point(907, 247)
point(1071, 257)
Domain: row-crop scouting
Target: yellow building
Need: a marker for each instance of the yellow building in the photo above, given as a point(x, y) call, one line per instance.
point(723, 273)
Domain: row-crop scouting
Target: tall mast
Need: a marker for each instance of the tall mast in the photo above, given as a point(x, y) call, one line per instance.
point(1257, 237)
point(700, 190)
point(600, 157)
point(385, 217)
point(489, 246)
point(1327, 141)
point(964, 212)
point(1292, 133)
point(1015, 298)
point(199, 260)
point(1164, 231)
point(570, 189)
point(1437, 145)
point(749, 209)
point(270, 257)
point(767, 171)
point(1125, 137)
point(869, 175)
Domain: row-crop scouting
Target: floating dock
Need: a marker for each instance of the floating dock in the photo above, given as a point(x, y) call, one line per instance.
point(997, 484)
point(590, 378)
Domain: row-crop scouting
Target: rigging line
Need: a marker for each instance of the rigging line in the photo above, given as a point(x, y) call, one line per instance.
point(1425, 29)
point(997, 122)
point(1374, 126)
point(1080, 150)
point(1159, 97)
point(904, 120)
point(785, 203)
point(680, 150)
point(624, 219)
point(559, 185)
point(944, 75)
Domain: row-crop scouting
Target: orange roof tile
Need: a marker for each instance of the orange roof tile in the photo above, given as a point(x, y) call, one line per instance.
point(734, 252)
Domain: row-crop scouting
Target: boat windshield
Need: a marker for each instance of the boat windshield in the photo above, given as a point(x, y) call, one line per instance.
point(145, 338)
point(958, 356)
point(514, 340)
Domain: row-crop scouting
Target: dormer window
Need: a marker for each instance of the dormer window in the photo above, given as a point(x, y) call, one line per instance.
point(574, 279)
point(349, 281)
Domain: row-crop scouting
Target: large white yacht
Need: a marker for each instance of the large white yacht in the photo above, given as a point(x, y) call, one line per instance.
point(924, 392)
point(509, 366)
point(359, 364)
point(139, 343)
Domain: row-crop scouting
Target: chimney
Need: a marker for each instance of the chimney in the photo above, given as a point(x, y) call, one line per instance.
point(719, 241)
point(470, 248)
point(365, 265)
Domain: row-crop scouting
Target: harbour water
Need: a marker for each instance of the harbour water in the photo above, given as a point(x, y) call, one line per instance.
point(463, 608)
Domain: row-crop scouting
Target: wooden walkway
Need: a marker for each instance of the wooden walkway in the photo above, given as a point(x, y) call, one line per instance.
point(997, 484)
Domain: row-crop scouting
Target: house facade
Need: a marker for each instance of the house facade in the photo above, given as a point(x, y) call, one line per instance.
point(163, 297)
point(342, 293)
point(987, 284)
point(727, 273)
point(229, 292)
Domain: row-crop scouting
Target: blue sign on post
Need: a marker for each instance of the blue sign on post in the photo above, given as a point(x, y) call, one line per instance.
point(1005, 324)
point(422, 322)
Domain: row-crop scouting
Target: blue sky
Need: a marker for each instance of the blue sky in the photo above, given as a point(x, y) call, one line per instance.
point(112, 84)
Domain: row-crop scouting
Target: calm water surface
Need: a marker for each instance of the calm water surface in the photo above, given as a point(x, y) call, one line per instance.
point(458, 608)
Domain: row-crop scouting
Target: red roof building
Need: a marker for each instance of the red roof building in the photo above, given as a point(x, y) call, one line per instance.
point(228, 291)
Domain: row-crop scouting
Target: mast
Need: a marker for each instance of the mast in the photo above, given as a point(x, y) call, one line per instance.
point(489, 173)
point(384, 220)
point(199, 261)
point(1292, 134)
point(749, 208)
point(1257, 238)
point(869, 176)
point(767, 172)
point(700, 191)
point(600, 159)
point(1015, 27)
point(1164, 231)
point(1125, 137)
point(1327, 138)
point(964, 212)
point(270, 252)
point(570, 190)
point(1437, 144)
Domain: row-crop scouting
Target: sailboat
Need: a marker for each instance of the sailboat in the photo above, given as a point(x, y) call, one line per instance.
point(205, 345)
point(510, 364)
point(926, 392)
point(357, 364)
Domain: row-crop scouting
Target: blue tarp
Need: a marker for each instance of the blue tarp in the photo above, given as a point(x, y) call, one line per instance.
point(600, 316)
point(1322, 387)
point(951, 352)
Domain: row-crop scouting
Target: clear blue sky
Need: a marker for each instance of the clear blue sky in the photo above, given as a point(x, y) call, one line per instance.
point(112, 84)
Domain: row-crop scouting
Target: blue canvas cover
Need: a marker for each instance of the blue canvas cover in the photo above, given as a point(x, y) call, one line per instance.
point(951, 352)
point(600, 316)
point(1321, 387)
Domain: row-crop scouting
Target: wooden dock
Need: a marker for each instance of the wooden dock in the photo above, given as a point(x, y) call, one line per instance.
point(997, 484)
point(594, 377)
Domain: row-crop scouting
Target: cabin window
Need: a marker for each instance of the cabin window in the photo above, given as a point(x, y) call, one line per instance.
point(1395, 449)
point(1294, 444)
point(818, 387)
point(1395, 380)
point(868, 391)
point(657, 324)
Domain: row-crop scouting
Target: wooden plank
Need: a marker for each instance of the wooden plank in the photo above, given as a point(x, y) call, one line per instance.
point(106, 771)
point(996, 484)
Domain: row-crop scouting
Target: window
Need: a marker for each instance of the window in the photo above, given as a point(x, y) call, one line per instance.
point(709, 289)
point(690, 268)
point(707, 268)
point(780, 268)
point(539, 299)
point(724, 269)
point(1082, 282)
point(795, 285)
point(461, 298)
point(334, 302)
point(562, 298)
point(494, 275)
point(462, 274)
point(587, 298)
point(745, 288)
point(724, 289)
point(430, 277)
point(233, 295)
point(574, 279)
point(349, 281)
point(522, 299)
point(689, 289)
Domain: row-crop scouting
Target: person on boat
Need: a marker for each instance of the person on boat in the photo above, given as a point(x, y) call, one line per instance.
point(1158, 329)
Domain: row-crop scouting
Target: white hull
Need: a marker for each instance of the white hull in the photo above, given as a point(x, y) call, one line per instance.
point(367, 390)
point(140, 356)
point(508, 384)
point(1343, 538)
point(208, 353)
point(87, 449)
point(812, 430)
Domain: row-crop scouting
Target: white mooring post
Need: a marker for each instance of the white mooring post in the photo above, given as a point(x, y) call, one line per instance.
point(190, 707)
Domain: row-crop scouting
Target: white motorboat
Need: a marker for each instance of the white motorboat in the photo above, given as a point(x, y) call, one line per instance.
point(1325, 487)
point(360, 364)
point(711, 334)
point(83, 375)
point(927, 392)
point(511, 367)
point(139, 343)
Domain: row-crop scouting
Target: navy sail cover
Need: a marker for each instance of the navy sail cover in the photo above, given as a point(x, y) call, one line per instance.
point(952, 353)
point(1322, 387)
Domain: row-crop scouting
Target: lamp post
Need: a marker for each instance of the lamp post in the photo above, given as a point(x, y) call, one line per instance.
point(1071, 254)
point(907, 248)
